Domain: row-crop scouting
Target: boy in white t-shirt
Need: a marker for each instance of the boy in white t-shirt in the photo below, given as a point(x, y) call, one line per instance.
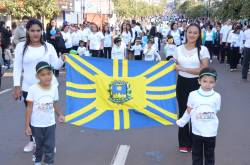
point(40, 115)
point(202, 107)
point(137, 48)
point(118, 49)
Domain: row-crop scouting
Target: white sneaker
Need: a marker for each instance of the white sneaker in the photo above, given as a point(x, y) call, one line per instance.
point(29, 147)
point(33, 157)
point(55, 150)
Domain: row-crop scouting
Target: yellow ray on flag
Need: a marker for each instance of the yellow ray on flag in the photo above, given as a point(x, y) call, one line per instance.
point(89, 118)
point(116, 119)
point(92, 67)
point(80, 95)
point(161, 97)
point(80, 86)
point(80, 69)
point(161, 88)
point(165, 112)
point(124, 68)
point(80, 112)
point(155, 117)
point(126, 118)
point(153, 68)
point(115, 68)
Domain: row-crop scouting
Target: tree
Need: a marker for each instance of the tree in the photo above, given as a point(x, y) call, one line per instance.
point(32, 8)
point(136, 8)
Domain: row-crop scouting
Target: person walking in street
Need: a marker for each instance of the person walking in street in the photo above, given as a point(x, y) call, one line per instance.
point(27, 55)
point(202, 106)
point(236, 44)
point(42, 100)
point(20, 33)
point(5, 38)
point(54, 37)
point(246, 53)
point(190, 58)
point(209, 39)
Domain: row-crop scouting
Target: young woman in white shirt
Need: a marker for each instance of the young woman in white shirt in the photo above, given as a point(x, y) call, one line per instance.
point(27, 55)
point(75, 36)
point(208, 39)
point(95, 41)
point(126, 37)
point(67, 37)
point(190, 59)
point(176, 33)
point(108, 38)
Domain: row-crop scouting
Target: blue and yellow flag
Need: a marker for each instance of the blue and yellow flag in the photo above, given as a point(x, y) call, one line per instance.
point(119, 94)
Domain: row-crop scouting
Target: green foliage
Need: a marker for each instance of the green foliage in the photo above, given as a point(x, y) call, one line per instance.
point(192, 9)
point(32, 8)
point(233, 9)
point(136, 8)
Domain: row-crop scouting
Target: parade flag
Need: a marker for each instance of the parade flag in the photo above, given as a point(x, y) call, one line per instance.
point(119, 94)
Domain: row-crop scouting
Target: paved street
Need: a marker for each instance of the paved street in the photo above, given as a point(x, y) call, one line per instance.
point(151, 146)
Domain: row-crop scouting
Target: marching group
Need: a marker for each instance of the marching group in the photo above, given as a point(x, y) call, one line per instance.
point(191, 44)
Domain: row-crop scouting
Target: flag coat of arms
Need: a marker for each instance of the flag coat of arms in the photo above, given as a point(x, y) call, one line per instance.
point(119, 94)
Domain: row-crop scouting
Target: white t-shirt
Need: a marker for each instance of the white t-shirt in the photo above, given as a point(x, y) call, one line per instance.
point(189, 59)
point(247, 38)
point(170, 50)
point(225, 29)
point(28, 63)
point(126, 37)
point(43, 114)
point(118, 52)
point(151, 55)
point(76, 37)
point(84, 34)
point(209, 36)
point(67, 38)
point(177, 36)
point(107, 40)
point(205, 105)
point(135, 30)
point(137, 49)
point(81, 51)
point(236, 40)
point(95, 40)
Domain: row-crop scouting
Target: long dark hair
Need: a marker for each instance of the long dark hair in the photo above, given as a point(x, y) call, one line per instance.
point(49, 25)
point(30, 23)
point(130, 29)
point(199, 40)
point(124, 23)
point(103, 30)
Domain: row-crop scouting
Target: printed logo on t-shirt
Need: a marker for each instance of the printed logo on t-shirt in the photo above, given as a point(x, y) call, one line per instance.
point(44, 103)
point(205, 112)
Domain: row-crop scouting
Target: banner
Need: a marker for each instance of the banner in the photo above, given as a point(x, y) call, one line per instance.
point(119, 94)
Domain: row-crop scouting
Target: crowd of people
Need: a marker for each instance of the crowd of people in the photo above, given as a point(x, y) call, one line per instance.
point(192, 44)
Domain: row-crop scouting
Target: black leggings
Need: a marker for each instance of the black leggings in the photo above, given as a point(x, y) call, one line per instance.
point(96, 53)
point(107, 52)
point(184, 87)
point(210, 46)
point(25, 94)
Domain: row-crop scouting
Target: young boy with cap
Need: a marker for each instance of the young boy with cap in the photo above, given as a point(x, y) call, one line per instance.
point(40, 115)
